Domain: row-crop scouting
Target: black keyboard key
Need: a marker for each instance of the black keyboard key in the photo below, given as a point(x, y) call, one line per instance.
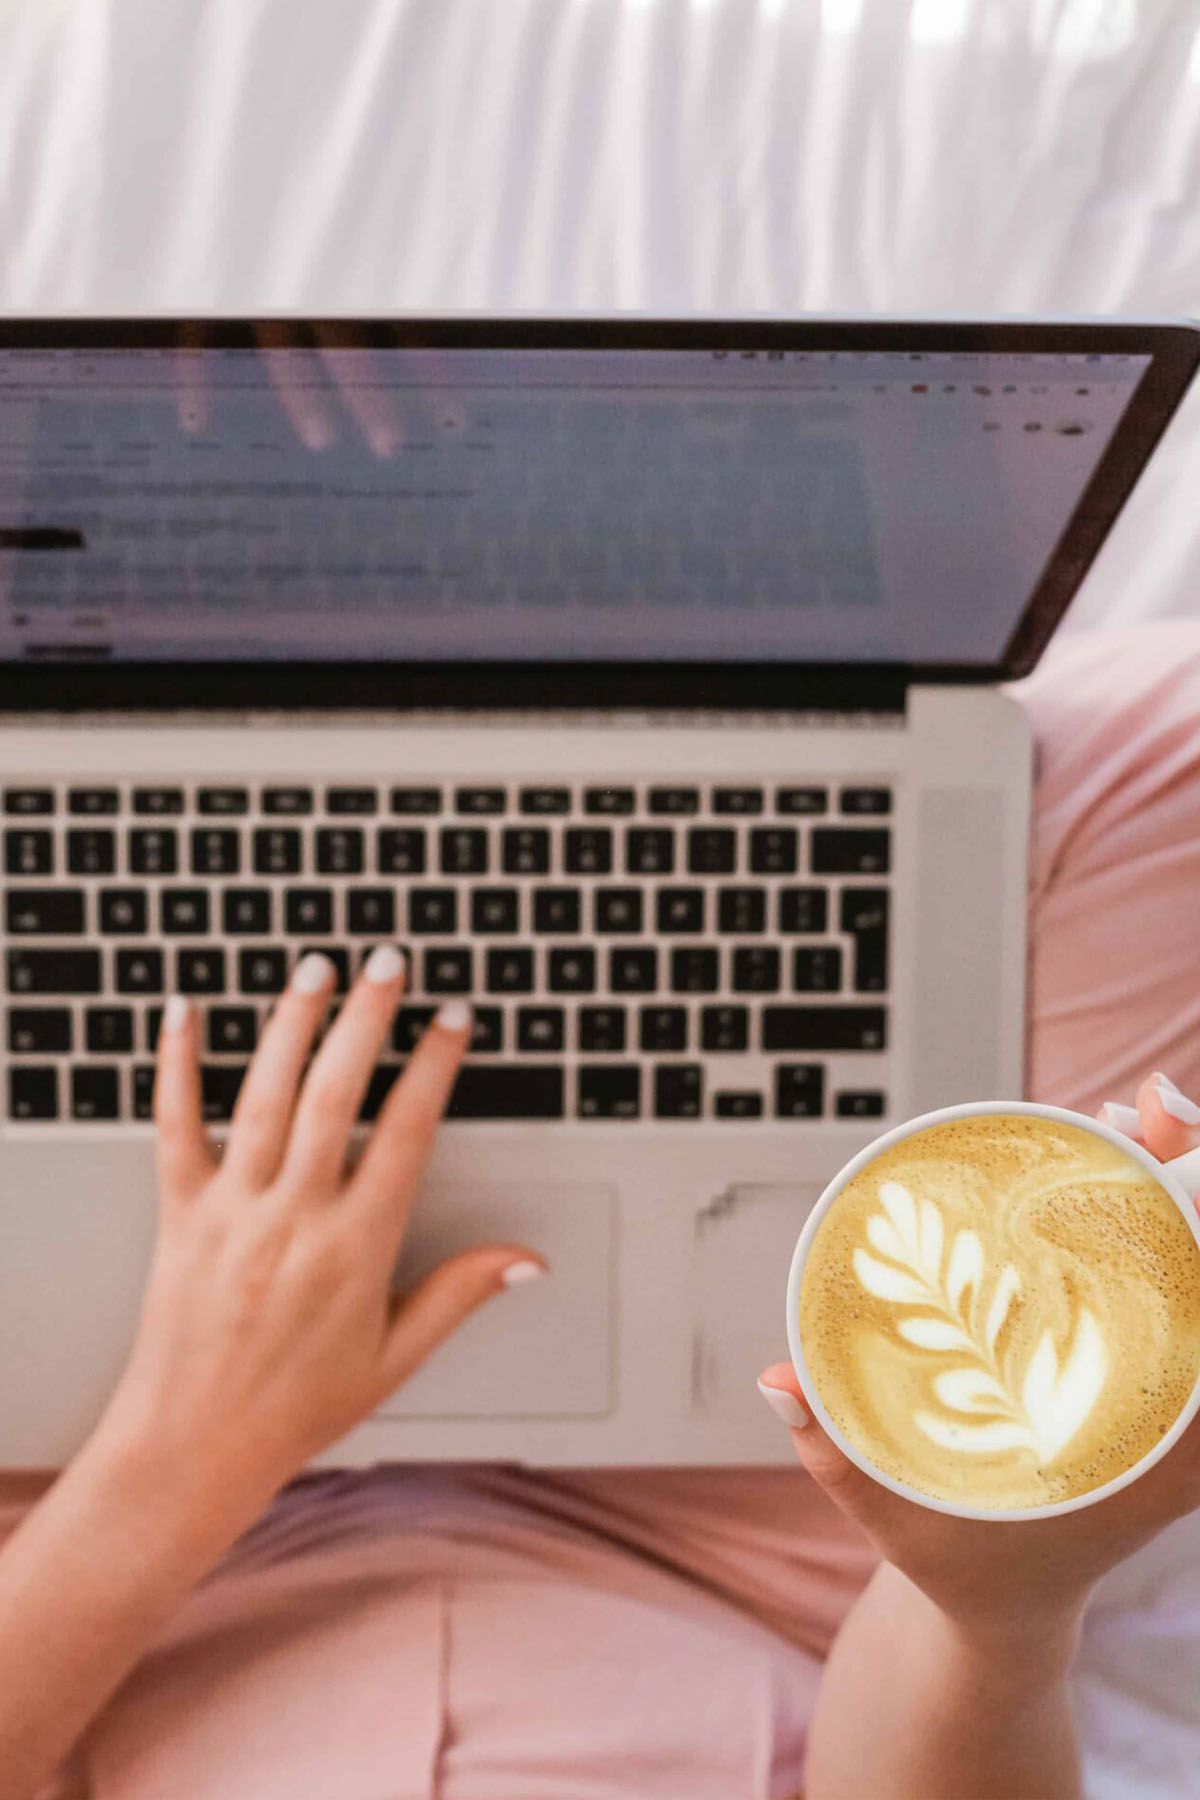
point(123, 911)
point(93, 801)
point(28, 852)
point(677, 800)
point(232, 1030)
point(224, 801)
point(433, 910)
point(408, 1025)
point(859, 1104)
point(95, 1092)
point(307, 909)
point(755, 969)
point(277, 851)
point(610, 800)
point(184, 911)
point(382, 1080)
point(143, 1091)
point(824, 1028)
point(851, 852)
point(507, 1091)
point(291, 801)
point(400, 850)
point(663, 1028)
point(816, 969)
point(480, 799)
point(678, 1091)
point(525, 850)
point(246, 912)
point(488, 1032)
point(866, 800)
point(724, 1028)
point(806, 800)
point(741, 909)
point(608, 1091)
point(679, 909)
point(200, 971)
point(45, 912)
point(865, 917)
point(338, 956)
point(649, 850)
point(556, 909)
point(339, 850)
point(799, 1091)
point(544, 800)
point(262, 971)
point(571, 970)
point(153, 1027)
point(803, 909)
point(108, 1030)
point(617, 909)
point(509, 971)
point(139, 971)
point(540, 1028)
point(448, 971)
point(159, 802)
point(54, 971)
point(694, 970)
point(39, 1030)
point(738, 1104)
point(215, 852)
point(587, 850)
point(633, 971)
point(412, 801)
point(741, 800)
point(601, 1029)
point(774, 850)
point(91, 852)
point(495, 910)
point(219, 1085)
point(27, 801)
point(712, 850)
point(153, 851)
point(358, 801)
point(463, 850)
point(371, 912)
point(33, 1093)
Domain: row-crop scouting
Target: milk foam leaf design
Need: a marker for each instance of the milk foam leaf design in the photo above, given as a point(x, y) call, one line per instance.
point(1046, 1407)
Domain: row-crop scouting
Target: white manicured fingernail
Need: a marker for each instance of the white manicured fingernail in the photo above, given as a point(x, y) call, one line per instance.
point(176, 1013)
point(311, 973)
point(384, 964)
point(1122, 1118)
point(521, 1271)
point(455, 1015)
point(785, 1406)
point(1175, 1103)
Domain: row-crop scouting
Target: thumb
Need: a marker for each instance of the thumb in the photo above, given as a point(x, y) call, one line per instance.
point(437, 1306)
point(847, 1485)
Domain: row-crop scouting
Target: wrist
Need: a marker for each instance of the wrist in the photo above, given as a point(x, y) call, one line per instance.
point(1005, 1639)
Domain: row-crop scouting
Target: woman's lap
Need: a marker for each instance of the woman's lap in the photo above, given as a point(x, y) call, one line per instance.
point(1114, 991)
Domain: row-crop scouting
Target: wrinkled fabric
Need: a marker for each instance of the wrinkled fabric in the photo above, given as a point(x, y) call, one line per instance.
point(496, 1633)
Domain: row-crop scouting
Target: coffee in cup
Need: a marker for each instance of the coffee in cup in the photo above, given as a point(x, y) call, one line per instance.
point(1001, 1311)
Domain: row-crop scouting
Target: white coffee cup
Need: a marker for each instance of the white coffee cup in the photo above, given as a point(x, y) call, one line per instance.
point(1180, 1179)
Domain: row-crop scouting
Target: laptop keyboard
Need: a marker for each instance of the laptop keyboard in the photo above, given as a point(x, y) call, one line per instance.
point(632, 952)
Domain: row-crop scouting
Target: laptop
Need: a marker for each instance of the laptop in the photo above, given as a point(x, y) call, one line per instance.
point(641, 678)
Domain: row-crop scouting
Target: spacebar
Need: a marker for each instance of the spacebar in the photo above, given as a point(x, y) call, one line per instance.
point(507, 1091)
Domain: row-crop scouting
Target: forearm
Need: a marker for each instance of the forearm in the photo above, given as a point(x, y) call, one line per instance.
point(916, 1707)
point(86, 1581)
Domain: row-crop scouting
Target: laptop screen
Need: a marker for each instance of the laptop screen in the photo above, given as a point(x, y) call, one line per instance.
point(317, 495)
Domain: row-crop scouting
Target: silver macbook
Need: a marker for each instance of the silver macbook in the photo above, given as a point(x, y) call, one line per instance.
point(640, 679)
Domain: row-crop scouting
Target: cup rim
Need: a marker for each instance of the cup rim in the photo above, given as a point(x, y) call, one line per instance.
point(910, 1127)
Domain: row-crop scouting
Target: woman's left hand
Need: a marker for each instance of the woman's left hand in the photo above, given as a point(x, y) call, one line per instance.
point(987, 1573)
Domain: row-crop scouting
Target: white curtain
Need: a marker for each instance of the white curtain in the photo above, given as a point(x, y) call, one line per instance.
point(672, 156)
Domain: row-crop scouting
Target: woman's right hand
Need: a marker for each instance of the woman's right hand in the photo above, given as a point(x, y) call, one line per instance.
point(268, 1327)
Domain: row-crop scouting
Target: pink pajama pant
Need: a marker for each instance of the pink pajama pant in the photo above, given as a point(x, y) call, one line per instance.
point(493, 1633)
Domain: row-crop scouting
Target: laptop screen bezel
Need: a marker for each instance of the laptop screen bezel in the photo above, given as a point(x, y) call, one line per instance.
point(1173, 345)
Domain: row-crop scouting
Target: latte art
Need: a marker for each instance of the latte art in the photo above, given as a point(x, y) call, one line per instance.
point(1003, 1310)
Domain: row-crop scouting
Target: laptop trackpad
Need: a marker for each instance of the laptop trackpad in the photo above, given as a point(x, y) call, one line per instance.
point(546, 1348)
